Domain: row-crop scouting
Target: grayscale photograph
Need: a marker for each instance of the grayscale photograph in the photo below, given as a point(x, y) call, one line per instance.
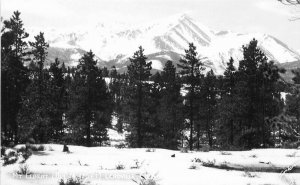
point(150, 92)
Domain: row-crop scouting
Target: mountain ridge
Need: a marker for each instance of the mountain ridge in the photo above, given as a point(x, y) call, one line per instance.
point(113, 45)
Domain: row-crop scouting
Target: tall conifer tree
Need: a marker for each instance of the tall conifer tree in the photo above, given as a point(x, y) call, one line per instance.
point(14, 74)
point(91, 104)
point(191, 68)
point(137, 92)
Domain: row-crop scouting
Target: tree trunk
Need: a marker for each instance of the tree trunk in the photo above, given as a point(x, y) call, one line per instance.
point(88, 130)
point(198, 136)
point(191, 118)
point(139, 117)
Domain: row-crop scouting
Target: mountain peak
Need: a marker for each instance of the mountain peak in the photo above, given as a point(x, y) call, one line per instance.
point(183, 16)
point(178, 18)
point(170, 35)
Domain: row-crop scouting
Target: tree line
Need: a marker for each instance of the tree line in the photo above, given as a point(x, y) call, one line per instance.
point(243, 108)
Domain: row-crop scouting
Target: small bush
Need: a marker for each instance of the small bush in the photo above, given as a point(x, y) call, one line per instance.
point(150, 150)
point(292, 154)
point(184, 150)
point(193, 166)
point(72, 181)
point(10, 157)
point(37, 148)
point(41, 148)
point(146, 179)
point(120, 166)
point(50, 148)
point(21, 150)
point(24, 169)
point(13, 156)
point(197, 160)
point(225, 153)
point(12, 153)
point(138, 164)
point(10, 160)
point(209, 163)
point(120, 145)
point(26, 154)
point(224, 165)
point(253, 156)
point(249, 174)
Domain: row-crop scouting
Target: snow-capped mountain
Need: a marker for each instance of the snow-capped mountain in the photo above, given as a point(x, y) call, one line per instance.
point(163, 40)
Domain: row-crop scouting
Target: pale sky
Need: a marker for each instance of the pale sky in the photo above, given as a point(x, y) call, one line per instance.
point(264, 16)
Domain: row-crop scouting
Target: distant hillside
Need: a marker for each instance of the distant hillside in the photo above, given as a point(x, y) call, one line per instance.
point(289, 66)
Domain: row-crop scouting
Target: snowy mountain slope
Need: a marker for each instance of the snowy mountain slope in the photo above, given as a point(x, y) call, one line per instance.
point(164, 40)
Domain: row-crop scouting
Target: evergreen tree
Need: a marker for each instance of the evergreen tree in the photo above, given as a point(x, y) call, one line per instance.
point(170, 111)
point(105, 72)
point(229, 77)
point(57, 98)
point(293, 99)
point(228, 112)
point(115, 85)
point(34, 117)
point(91, 104)
point(153, 136)
point(191, 68)
point(261, 98)
point(136, 94)
point(207, 109)
point(296, 78)
point(14, 75)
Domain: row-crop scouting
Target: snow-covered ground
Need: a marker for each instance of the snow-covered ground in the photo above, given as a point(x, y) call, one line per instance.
point(98, 166)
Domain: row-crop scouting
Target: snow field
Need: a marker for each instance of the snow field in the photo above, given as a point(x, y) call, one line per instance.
point(98, 165)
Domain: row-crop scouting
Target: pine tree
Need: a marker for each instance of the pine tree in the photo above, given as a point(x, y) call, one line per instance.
point(91, 104)
point(257, 87)
point(105, 72)
point(227, 127)
point(14, 75)
point(191, 68)
point(207, 109)
point(153, 135)
point(171, 107)
point(57, 97)
point(293, 99)
point(115, 86)
point(13, 37)
point(34, 116)
point(136, 93)
point(296, 78)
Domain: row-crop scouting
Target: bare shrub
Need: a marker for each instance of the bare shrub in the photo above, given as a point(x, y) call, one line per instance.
point(150, 150)
point(120, 166)
point(72, 181)
point(146, 179)
point(24, 169)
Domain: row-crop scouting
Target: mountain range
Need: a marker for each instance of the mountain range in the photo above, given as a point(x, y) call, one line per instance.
point(166, 39)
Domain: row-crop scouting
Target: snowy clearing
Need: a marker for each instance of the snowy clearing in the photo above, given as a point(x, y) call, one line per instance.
point(99, 166)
